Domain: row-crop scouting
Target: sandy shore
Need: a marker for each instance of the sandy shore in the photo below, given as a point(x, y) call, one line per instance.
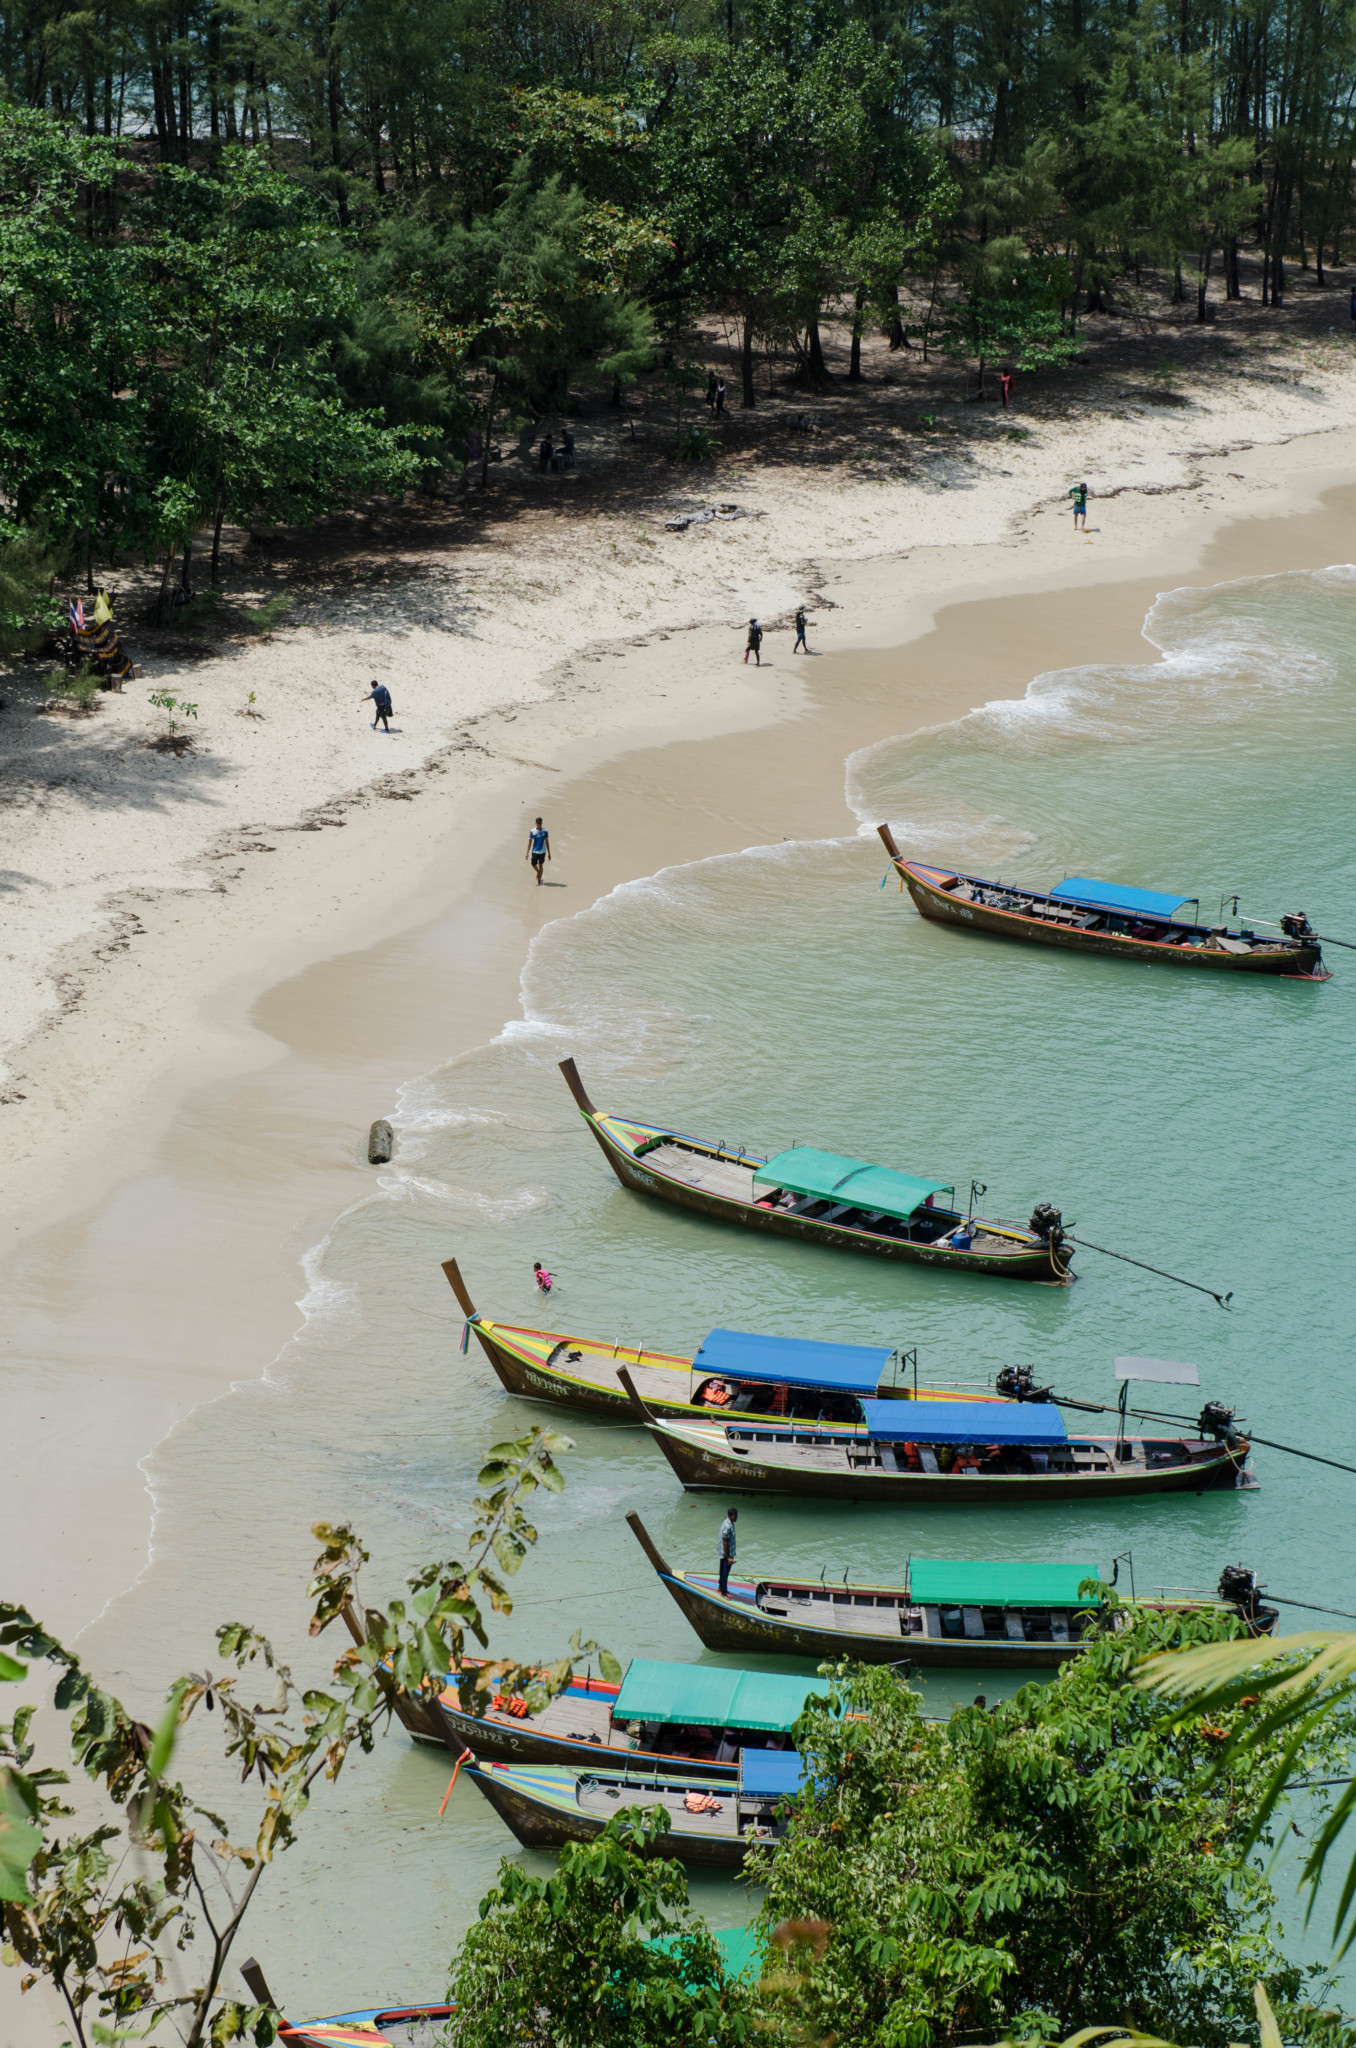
point(220, 968)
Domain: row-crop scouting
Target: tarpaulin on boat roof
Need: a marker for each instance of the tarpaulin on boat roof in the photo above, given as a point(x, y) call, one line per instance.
point(703, 1696)
point(965, 1422)
point(1112, 896)
point(1165, 1370)
point(793, 1361)
point(944, 1582)
point(768, 1773)
point(808, 1171)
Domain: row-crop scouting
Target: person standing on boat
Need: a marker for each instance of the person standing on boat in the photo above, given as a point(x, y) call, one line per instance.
point(801, 640)
point(1079, 494)
point(539, 848)
point(727, 1549)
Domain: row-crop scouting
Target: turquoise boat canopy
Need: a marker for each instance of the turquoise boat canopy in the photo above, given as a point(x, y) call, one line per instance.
point(807, 1171)
point(955, 1582)
point(1112, 896)
point(793, 1361)
point(1034, 1423)
point(703, 1696)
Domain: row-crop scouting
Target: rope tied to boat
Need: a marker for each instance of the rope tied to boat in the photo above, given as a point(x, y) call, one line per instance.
point(465, 1757)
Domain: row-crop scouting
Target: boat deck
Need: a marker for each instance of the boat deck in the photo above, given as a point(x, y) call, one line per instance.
point(699, 1170)
point(609, 1799)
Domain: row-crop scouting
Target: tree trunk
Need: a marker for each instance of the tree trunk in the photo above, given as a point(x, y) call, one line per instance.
point(489, 422)
point(164, 585)
point(747, 398)
point(855, 360)
point(1203, 286)
point(1232, 288)
point(184, 584)
point(216, 550)
point(819, 369)
point(333, 103)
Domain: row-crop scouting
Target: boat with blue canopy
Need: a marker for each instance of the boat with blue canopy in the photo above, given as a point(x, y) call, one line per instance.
point(700, 1719)
point(960, 1613)
point(951, 1450)
point(808, 1381)
point(709, 1825)
point(827, 1198)
point(1084, 915)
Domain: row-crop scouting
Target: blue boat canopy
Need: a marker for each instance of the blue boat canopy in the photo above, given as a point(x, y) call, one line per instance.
point(793, 1361)
point(712, 1696)
point(805, 1170)
point(1036, 1423)
point(1113, 896)
point(770, 1773)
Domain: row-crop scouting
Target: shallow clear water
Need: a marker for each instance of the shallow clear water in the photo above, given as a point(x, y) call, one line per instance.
point(1201, 1123)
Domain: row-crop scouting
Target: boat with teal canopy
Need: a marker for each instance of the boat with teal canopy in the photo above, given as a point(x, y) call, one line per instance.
point(956, 1613)
point(827, 1198)
point(1117, 919)
point(695, 1718)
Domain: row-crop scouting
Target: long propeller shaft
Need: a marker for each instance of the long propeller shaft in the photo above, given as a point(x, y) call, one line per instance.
point(1088, 1245)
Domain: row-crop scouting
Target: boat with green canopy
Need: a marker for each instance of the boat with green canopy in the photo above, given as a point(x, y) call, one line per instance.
point(806, 1380)
point(710, 1825)
point(826, 1198)
point(956, 1612)
point(698, 1719)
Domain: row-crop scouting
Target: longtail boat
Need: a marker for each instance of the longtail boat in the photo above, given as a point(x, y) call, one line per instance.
point(734, 1372)
point(825, 1198)
point(1087, 916)
point(951, 1450)
point(949, 1611)
point(713, 1825)
point(693, 1719)
point(403, 2026)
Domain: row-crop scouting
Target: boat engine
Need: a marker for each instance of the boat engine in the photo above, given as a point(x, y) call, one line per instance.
point(1296, 925)
point(1217, 1421)
point(1048, 1222)
point(1238, 1588)
point(1018, 1382)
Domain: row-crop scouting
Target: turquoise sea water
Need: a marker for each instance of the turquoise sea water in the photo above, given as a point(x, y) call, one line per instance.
point(1204, 1124)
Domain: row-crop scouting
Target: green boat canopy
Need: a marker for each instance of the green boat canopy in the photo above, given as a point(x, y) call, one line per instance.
point(950, 1582)
point(807, 1171)
point(704, 1696)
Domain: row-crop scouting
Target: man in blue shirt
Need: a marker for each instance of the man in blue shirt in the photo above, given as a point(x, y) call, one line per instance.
point(379, 697)
point(727, 1549)
point(539, 848)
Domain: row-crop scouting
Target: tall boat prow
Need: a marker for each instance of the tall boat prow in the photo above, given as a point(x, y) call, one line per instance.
point(826, 1198)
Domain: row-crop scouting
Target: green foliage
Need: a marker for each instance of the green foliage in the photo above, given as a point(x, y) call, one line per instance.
point(104, 1927)
point(573, 1959)
point(164, 701)
point(28, 569)
point(698, 444)
point(268, 616)
point(1062, 1860)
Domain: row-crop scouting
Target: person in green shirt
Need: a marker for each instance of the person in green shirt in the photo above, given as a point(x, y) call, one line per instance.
point(1079, 494)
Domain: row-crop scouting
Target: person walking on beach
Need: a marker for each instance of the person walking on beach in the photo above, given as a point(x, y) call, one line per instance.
point(754, 644)
point(801, 640)
point(727, 1549)
point(1079, 494)
point(538, 848)
point(720, 397)
point(1005, 386)
point(543, 1279)
point(379, 697)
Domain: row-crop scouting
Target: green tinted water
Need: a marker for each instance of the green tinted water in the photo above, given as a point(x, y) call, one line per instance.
point(1201, 1123)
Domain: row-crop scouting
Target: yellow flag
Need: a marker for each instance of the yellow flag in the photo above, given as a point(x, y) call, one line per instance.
point(103, 610)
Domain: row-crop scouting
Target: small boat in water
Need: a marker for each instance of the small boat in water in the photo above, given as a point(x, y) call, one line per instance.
point(402, 2026)
point(951, 1451)
point(949, 1611)
point(1087, 916)
point(713, 1825)
point(696, 1720)
point(734, 1372)
point(824, 1198)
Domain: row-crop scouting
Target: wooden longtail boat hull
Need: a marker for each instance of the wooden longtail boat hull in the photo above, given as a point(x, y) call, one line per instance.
point(365, 2028)
point(510, 1742)
point(705, 1465)
point(542, 1824)
point(1029, 1258)
point(934, 900)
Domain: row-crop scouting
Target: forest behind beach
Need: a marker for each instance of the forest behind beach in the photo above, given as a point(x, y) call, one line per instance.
point(269, 258)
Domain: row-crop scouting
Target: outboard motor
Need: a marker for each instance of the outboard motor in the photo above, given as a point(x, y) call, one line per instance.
point(1017, 1382)
point(1048, 1222)
point(1296, 925)
point(1217, 1421)
point(1238, 1588)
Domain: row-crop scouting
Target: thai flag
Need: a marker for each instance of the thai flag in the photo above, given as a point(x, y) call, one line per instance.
point(77, 615)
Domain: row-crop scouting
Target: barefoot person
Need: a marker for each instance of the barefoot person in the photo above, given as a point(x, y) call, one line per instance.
point(379, 697)
point(1079, 494)
point(538, 848)
point(754, 644)
point(801, 640)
